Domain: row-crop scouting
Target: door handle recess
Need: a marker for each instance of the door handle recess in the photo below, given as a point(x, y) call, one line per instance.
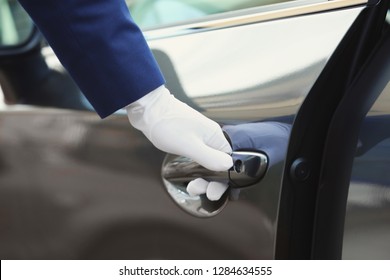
point(177, 171)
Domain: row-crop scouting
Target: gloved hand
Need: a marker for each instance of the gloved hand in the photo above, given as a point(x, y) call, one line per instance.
point(174, 127)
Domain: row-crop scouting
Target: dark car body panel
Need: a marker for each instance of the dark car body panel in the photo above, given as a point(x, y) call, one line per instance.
point(102, 196)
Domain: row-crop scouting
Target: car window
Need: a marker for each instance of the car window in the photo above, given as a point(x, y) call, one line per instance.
point(15, 24)
point(367, 227)
point(154, 13)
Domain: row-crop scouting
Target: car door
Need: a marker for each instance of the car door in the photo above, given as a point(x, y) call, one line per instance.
point(260, 63)
point(74, 186)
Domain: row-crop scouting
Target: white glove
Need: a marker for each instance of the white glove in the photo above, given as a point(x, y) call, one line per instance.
point(174, 127)
point(213, 190)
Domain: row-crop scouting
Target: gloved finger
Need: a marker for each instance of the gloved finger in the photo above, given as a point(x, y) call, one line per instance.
point(210, 158)
point(197, 187)
point(215, 190)
point(218, 141)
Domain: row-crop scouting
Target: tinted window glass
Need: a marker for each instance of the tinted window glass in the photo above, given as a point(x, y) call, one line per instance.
point(15, 24)
point(367, 223)
point(152, 13)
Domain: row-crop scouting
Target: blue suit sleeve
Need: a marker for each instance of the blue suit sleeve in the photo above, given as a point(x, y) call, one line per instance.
point(268, 137)
point(102, 48)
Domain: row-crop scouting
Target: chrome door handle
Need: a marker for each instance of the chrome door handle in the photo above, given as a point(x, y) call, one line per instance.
point(177, 171)
point(248, 168)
